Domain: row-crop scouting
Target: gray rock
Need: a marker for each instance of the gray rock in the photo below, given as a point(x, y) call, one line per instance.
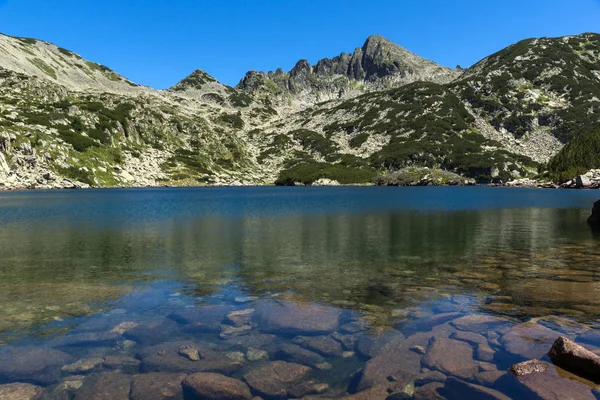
point(121, 362)
point(575, 358)
point(308, 388)
point(151, 332)
point(296, 318)
point(165, 358)
point(228, 331)
point(459, 389)
point(478, 323)
point(378, 368)
point(105, 386)
point(87, 339)
point(83, 366)
point(203, 318)
point(529, 367)
point(528, 340)
point(209, 386)
point(32, 364)
point(293, 353)
point(20, 391)
point(239, 317)
point(370, 346)
point(157, 386)
point(274, 379)
point(324, 345)
point(552, 386)
point(451, 357)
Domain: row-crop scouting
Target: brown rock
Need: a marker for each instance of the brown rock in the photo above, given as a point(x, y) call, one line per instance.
point(165, 358)
point(106, 386)
point(324, 345)
point(463, 390)
point(551, 386)
point(293, 353)
point(211, 386)
point(239, 317)
point(379, 368)
point(274, 379)
point(303, 389)
point(296, 318)
point(478, 322)
point(469, 337)
point(489, 378)
point(375, 393)
point(157, 386)
point(32, 364)
point(529, 367)
point(190, 352)
point(370, 346)
point(451, 357)
point(528, 340)
point(575, 358)
point(203, 318)
point(116, 362)
point(20, 391)
point(431, 391)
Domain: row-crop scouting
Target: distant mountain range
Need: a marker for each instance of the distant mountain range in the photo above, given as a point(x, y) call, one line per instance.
point(69, 122)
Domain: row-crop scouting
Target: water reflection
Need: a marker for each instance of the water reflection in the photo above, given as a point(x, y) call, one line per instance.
point(351, 251)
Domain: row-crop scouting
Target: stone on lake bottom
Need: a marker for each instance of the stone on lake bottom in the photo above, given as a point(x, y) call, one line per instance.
point(83, 366)
point(528, 340)
point(274, 379)
point(451, 357)
point(32, 364)
point(324, 345)
point(294, 353)
point(210, 386)
point(20, 391)
point(296, 318)
point(157, 386)
point(477, 322)
point(460, 389)
point(378, 392)
point(105, 386)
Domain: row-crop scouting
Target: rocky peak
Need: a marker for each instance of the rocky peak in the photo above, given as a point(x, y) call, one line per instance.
point(196, 80)
point(302, 67)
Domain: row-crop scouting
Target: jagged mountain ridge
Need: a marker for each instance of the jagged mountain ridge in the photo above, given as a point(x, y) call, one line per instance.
point(504, 118)
point(378, 65)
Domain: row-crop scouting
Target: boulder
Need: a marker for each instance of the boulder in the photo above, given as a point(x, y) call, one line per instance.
point(459, 389)
point(478, 323)
point(548, 385)
point(380, 367)
point(529, 367)
point(451, 357)
point(582, 181)
point(105, 386)
point(296, 318)
point(151, 332)
point(30, 364)
point(157, 386)
point(594, 219)
point(20, 391)
point(324, 345)
point(83, 366)
point(293, 353)
point(369, 346)
point(166, 358)
point(274, 379)
point(202, 318)
point(528, 340)
point(209, 386)
point(575, 358)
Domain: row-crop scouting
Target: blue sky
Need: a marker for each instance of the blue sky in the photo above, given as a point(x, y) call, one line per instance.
point(159, 42)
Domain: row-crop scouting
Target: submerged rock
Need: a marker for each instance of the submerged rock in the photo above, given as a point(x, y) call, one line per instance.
point(209, 386)
point(152, 331)
point(105, 386)
point(166, 358)
point(32, 364)
point(157, 386)
point(83, 366)
point(528, 340)
point(293, 353)
point(274, 379)
point(451, 357)
point(549, 385)
point(478, 323)
point(457, 388)
point(20, 391)
point(324, 345)
point(202, 318)
point(296, 318)
point(575, 358)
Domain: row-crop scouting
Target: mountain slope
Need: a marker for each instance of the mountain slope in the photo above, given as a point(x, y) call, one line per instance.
point(65, 121)
point(49, 62)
